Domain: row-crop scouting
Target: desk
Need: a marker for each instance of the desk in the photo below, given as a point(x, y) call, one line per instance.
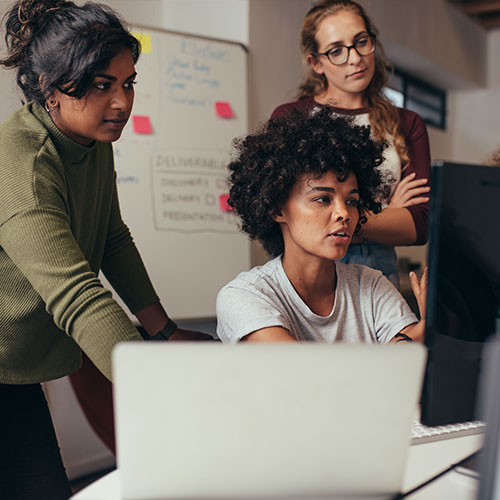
point(424, 461)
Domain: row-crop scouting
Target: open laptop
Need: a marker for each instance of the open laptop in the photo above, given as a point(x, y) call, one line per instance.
point(207, 420)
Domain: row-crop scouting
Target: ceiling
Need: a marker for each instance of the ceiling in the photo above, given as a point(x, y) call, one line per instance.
point(485, 12)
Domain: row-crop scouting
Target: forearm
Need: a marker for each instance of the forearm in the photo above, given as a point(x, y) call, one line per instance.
point(392, 226)
point(273, 334)
point(123, 267)
point(153, 318)
point(415, 331)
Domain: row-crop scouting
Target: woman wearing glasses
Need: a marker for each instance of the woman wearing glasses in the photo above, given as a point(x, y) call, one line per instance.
point(347, 73)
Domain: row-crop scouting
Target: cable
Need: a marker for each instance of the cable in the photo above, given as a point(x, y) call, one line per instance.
point(398, 496)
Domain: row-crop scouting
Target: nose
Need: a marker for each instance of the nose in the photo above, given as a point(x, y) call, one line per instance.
point(353, 57)
point(122, 100)
point(341, 212)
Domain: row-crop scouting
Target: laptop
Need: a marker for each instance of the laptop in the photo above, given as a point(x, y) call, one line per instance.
point(214, 421)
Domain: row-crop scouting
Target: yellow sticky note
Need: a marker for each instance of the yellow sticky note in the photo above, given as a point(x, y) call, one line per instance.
point(146, 43)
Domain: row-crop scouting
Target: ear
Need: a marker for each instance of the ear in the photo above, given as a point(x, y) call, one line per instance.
point(278, 217)
point(315, 63)
point(51, 101)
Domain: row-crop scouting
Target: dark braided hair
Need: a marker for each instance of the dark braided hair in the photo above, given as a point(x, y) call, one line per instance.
point(268, 163)
point(57, 45)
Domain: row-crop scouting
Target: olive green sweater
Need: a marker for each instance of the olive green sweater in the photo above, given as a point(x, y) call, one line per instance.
point(60, 224)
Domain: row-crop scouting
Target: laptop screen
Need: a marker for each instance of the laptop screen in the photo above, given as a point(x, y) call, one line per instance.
point(463, 299)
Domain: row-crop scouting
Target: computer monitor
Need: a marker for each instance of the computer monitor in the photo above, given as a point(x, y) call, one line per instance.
point(463, 296)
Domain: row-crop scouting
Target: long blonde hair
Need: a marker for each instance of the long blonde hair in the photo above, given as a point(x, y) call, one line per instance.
point(383, 115)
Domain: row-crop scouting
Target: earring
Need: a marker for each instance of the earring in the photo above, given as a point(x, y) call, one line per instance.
point(53, 103)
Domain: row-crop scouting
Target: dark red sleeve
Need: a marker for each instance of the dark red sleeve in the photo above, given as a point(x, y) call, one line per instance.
point(417, 141)
point(303, 105)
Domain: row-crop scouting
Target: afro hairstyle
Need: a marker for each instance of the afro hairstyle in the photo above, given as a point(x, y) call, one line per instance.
point(266, 165)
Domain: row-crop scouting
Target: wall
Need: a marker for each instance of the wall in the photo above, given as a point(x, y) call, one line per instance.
point(432, 39)
point(9, 97)
point(226, 19)
point(475, 114)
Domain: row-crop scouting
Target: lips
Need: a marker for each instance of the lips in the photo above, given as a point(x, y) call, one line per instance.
point(357, 74)
point(116, 123)
point(340, 234)
point(115, 120)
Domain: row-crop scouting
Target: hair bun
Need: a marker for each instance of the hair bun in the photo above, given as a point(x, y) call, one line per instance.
point(23, 20)
point(34, 11)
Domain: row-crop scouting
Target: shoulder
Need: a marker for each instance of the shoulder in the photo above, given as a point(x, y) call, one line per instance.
point(258, 281)
point(22, 132)
point(358, 273)
point(284, 109)
point(26, 152)
point(410, 121)
point(363, 282)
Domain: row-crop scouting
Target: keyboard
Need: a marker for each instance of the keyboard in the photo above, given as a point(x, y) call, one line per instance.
point(421, 433)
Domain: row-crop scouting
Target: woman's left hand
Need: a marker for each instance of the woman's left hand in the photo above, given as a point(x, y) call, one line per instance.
point(410, 191)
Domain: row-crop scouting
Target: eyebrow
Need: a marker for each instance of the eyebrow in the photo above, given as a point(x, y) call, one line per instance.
point(329, 190)
point(357, 35)
point(113, 78)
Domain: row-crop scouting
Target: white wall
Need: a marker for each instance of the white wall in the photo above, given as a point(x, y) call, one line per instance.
point(10, 99)
point(432, 39)
point(226, 19)
point(475, 114)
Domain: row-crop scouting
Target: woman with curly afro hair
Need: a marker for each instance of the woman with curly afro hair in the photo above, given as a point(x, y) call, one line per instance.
point(301, 186)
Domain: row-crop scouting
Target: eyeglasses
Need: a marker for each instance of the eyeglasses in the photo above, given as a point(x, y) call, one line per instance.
point(364, 46)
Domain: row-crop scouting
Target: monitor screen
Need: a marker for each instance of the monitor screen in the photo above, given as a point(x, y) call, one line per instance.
point(463, 296)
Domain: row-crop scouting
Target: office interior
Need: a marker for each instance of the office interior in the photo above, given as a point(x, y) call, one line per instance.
point(433, 40)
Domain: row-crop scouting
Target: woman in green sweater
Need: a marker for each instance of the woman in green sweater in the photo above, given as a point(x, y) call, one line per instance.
point(60, 225)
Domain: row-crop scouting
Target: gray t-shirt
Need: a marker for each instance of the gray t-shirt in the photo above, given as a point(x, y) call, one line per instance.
point(367, 308)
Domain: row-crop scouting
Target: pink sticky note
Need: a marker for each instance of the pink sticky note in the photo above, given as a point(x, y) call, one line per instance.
point(142, 124)
point(223, 204)
point(223, 109)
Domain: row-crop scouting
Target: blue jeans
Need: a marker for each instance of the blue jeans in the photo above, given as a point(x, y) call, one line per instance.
point(376, 256)
point(31, 467)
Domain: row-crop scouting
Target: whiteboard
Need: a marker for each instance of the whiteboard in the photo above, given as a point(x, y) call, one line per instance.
point(191, 102)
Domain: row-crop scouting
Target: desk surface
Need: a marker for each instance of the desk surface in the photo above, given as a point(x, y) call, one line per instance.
point(424, 461)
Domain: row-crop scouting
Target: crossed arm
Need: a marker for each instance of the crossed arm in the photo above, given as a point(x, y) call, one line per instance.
point(395, 226)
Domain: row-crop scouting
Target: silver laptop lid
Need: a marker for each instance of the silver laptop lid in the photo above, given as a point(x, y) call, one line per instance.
point(206, 420)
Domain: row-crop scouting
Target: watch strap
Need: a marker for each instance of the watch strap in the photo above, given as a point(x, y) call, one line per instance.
point(166, 332)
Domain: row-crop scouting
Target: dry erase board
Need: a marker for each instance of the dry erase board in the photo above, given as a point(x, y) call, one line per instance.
point(191, 102)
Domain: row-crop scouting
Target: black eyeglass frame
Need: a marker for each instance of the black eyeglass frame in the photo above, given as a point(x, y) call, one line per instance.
point(348, 47)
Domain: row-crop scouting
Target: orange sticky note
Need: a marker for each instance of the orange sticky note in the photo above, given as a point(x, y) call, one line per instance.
point(223, 204)
point(142, 124)
point(223, 109)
